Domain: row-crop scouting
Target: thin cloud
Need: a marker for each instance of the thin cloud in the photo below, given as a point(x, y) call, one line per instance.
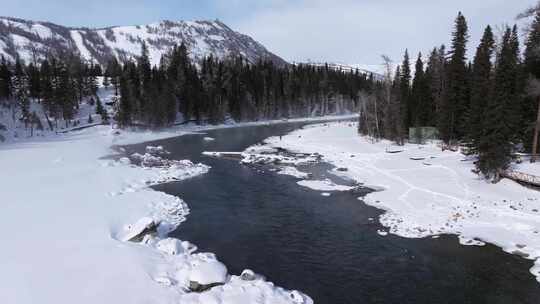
point(360, 31)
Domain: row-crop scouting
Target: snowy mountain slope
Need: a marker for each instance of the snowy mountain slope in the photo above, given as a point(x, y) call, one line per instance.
point(34, 40)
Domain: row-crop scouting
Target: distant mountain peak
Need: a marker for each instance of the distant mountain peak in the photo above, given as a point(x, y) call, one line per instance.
point(34, 40)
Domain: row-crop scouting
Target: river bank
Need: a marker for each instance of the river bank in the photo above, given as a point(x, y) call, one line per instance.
point(428, 192)
point(67, 203)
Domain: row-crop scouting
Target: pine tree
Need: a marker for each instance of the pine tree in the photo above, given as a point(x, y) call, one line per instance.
point(532, 68)
point(124, 111)
point(144, 81)
point(20, 91)
point(436, 82)
point(481, 89)
point(422, 104)
point(65, 92)
point(496, 146)
point(451, 122)
point(405, 94)
point(34, 82)
point(5, 80)
point(100, 110)
point(395, 107)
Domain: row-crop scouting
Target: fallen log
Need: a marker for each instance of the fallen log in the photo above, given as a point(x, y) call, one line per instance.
point(521, 177)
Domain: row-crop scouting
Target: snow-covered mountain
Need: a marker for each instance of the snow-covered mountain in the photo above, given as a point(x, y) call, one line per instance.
point(34, 40)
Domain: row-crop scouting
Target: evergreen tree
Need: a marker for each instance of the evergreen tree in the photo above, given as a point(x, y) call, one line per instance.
point(34, 82)
point(395, 116)
point(20, 91)
point(5, 80)
point(451, 122)
point(531, 109)
point(405, 94)
point(47, 92)
point(421, 102)
point(496, 146)
point(100, 110)
point(65, 93)
point(436, 82)
point(124, 111)
point(481, 87)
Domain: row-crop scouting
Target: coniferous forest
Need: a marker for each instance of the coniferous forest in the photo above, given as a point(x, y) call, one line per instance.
point(487, 104)
point(179, 90)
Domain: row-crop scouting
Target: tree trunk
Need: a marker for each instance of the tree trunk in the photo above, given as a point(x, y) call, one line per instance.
point(536, 130)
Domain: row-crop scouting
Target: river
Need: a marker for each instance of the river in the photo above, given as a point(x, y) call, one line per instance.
point(327, 247)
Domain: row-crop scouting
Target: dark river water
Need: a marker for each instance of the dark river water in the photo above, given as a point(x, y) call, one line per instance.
point(327, 247)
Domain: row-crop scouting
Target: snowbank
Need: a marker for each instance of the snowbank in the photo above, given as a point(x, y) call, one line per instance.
point(427, 192)
point(323, 185)
point(69, 212)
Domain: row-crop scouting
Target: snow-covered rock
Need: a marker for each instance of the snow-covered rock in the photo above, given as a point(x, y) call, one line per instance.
point(207, 274)
point(159, 150)
point(248, 275)
point(137, 231)
point(170, 246)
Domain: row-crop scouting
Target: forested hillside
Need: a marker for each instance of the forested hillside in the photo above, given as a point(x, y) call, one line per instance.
point(49, 94)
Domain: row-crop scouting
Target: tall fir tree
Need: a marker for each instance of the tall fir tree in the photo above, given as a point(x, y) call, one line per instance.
point(531, 109)
point(124, 109)
point(405, 94)
point(451, 122)
point(20, 91)
point(481, 87)
point(421, 104)
point(496, 146)
point(5, 79)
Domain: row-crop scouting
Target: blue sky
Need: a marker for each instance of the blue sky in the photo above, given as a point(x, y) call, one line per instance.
point(349, 31)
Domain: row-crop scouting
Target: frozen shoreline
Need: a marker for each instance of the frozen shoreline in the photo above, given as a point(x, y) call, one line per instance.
point(69, 206)
point(426, 192)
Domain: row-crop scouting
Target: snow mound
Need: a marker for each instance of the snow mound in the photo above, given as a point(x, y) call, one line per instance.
point(207, 272)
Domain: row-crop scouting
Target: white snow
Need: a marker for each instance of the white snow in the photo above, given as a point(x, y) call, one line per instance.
point(323, 185)
point(77, 37)
point(292, 171)
point(23, 47)
point(208, 272)
point(422, 200)
point(42, 31)
point(66, 212)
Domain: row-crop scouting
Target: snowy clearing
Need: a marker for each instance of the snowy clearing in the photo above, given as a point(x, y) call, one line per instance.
point(427, 192)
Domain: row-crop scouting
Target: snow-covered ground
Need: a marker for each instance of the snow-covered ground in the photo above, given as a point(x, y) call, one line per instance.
point(425, 191)
point(68, 211)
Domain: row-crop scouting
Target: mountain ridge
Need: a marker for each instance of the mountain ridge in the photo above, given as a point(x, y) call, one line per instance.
point(33, 40)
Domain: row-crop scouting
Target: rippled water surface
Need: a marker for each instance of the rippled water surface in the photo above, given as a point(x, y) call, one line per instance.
point(327, 247)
